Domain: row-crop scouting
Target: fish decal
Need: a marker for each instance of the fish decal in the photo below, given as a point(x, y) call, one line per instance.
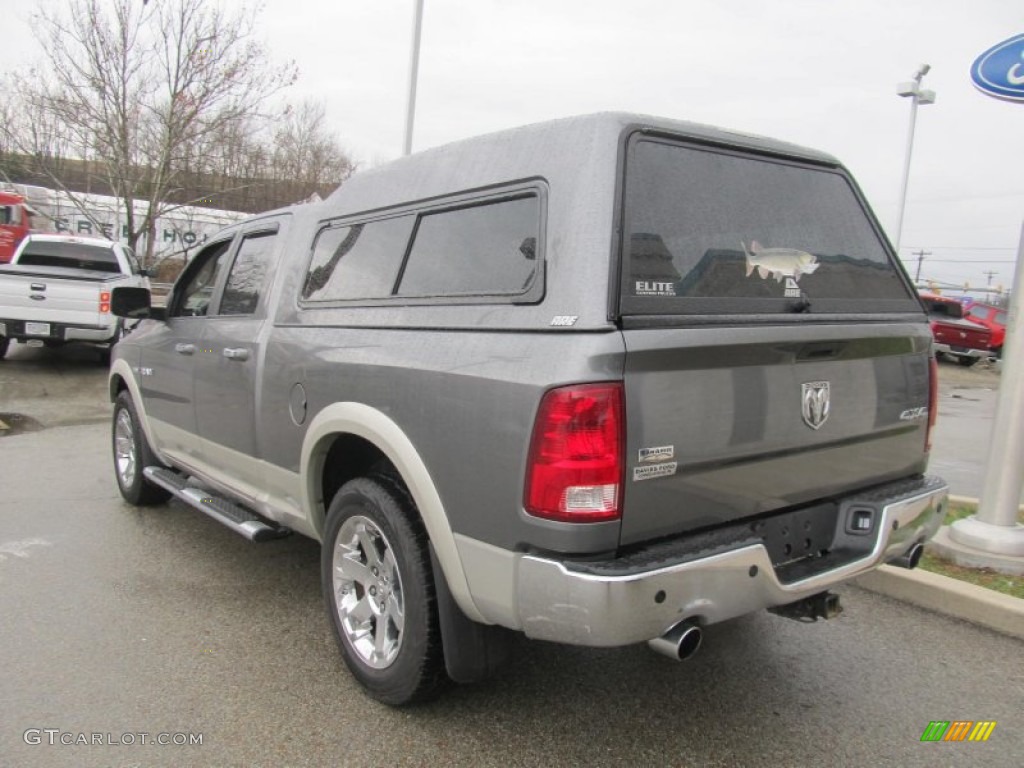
point(778, 262)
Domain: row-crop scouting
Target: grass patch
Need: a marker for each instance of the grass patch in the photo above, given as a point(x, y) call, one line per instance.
point(982, 577)
point(957, 511)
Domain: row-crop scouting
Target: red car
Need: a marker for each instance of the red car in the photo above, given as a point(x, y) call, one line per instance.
point(993, 318)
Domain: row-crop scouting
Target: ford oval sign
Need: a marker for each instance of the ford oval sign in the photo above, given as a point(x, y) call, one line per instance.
point(999, 71)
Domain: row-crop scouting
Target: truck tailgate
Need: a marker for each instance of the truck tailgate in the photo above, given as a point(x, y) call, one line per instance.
point(727, 423)
point(48, 298)
point(960, 333)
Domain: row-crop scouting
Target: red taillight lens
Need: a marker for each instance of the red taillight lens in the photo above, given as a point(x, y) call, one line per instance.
point(933, 402)
point(574, 471)
point(105, 302)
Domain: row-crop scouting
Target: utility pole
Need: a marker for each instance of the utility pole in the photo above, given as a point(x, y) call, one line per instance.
point(920, 257)
point(990, 275)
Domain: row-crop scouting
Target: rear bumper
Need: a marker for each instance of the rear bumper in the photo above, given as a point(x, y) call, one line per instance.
point(61, 332)
point(977, 354)
point(559, 601)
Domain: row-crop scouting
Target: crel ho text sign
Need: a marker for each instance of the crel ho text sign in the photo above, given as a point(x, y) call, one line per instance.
point(999, 71)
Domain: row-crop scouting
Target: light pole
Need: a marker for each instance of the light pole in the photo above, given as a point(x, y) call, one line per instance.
point(414, 65)
point(917, 96)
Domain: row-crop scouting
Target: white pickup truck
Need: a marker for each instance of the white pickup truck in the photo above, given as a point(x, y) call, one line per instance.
point(57, 290)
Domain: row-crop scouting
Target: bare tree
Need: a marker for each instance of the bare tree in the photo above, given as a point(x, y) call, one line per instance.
point(141, 89)
point(304, 150)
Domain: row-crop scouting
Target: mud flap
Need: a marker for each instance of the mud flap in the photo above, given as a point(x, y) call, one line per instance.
point(472, 651)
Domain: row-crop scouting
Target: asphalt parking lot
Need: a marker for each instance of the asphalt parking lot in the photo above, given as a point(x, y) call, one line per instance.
point(120, 622)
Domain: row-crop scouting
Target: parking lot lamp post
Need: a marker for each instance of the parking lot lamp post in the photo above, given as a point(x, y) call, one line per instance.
point(414, 66)
point(917, 96)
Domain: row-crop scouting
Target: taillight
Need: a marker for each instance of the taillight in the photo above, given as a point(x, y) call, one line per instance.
point(933, 401)
point(575, 467)
point(104, 302)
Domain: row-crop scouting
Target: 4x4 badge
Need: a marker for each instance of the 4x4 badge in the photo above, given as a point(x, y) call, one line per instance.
point(816, 403)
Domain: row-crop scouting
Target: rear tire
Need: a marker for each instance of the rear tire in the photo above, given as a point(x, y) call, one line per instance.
point(4, 343)
point(967, 362)
point(132, 454)
point(379, 592)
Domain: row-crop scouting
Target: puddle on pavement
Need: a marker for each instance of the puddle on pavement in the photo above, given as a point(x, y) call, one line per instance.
point(16, 423)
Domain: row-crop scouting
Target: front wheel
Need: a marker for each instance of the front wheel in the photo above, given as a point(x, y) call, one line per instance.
point(4, 343)
point(379, 591)
point(132, 454)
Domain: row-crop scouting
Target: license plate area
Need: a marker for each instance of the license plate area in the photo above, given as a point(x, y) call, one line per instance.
point(795, 535)
point(37, 329)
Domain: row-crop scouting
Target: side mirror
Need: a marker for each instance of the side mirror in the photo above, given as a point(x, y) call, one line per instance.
point(134, 304)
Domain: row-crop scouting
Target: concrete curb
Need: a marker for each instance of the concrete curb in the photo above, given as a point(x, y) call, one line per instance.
point(950, 597)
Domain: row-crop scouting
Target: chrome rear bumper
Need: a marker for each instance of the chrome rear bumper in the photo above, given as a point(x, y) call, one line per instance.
point(561, 603)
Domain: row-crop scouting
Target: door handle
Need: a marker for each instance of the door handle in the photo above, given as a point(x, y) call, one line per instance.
point(241, 353)
point(185, 349)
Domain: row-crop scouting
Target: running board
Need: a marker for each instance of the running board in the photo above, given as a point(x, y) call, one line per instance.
point(237, 518)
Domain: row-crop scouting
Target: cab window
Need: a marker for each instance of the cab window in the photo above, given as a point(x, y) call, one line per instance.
point(196, 293)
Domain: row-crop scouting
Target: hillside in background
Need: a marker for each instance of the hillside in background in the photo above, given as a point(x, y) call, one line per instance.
point(200, 190)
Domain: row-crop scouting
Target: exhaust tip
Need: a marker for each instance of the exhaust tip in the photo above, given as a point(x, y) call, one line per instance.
point(915, 555)
point(679, 643)
point(911, 558)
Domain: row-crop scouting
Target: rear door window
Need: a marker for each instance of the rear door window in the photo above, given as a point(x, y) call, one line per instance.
point(248, 275)
point(712, 231)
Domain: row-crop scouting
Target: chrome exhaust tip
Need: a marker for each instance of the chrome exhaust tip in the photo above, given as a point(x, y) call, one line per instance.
point(911, 558)
point(680, 642)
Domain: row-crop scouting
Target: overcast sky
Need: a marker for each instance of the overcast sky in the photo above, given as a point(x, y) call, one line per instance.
point(822, 73)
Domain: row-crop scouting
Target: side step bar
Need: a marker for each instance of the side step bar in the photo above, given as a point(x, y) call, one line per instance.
point(237, 518)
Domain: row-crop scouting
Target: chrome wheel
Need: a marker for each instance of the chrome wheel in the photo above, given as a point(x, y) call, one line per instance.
point(124, 449)
point(368, 596)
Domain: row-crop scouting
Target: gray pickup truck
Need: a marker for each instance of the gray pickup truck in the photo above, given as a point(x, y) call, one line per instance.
point(601, 381)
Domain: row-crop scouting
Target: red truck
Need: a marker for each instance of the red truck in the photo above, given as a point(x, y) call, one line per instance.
point(15, 222)
point(993, 318)
point(955, 337)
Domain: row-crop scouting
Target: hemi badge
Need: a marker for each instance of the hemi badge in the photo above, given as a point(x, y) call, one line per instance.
point(661, 453)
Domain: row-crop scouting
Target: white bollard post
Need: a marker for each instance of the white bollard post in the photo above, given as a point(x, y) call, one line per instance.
point(995, 528)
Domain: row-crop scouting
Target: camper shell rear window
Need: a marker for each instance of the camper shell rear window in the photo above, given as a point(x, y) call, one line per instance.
point(715, 231)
